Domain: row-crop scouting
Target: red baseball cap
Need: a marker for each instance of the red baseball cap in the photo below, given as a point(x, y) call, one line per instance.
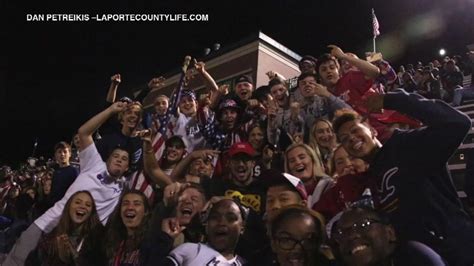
point(242, 147)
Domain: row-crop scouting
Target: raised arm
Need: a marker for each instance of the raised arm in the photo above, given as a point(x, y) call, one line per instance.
point(444, 127)
point(114, 83)
point(208, 79)
point(87, 129)
point(180, 169)
point(367, 68)
point(151, 166)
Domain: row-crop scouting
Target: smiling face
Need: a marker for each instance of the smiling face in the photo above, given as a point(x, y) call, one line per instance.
point(161, 105)
point(324, 135)
point(117, 163)
point(80, 208)
point(174, 152)
point(363, 239)
point(190, 202)
point(357, 139)
point(201, 168)
point(224, 226)
point(295, 241)
point(244, 90)
point(279, 93)
point(131, 116)
point(228, 118)
point(241, 169)
point(299, 164)
point(132, 211)
point(307, 86)
point(256, 137)
point(187, 106)
point(329, 73)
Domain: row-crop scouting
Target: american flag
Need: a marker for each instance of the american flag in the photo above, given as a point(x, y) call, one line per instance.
point(375, 24)
point(139, 179)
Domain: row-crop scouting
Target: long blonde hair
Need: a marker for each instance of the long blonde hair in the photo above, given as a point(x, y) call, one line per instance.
point(312, 139)
point(318, 168)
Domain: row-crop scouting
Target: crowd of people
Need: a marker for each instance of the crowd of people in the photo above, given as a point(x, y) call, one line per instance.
point(348, 167)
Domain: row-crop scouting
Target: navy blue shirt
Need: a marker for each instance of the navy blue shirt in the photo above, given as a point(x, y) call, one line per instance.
point(63, 177)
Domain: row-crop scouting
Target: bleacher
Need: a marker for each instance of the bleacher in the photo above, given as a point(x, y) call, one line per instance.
point(457, 163)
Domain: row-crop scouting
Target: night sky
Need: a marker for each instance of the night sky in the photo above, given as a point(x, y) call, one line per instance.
point(55, 75)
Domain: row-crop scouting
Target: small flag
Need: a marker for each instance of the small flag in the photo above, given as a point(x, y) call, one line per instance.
point(375, 24)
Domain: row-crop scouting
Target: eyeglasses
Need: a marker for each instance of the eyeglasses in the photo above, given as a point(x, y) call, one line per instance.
point(358, 227)
point(289, 243)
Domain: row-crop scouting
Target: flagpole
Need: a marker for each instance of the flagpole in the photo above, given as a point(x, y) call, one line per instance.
point(375, 28)
point(373, 41)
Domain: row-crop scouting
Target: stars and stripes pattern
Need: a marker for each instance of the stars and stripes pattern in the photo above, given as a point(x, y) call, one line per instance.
point(140, 180)
point(375, 24)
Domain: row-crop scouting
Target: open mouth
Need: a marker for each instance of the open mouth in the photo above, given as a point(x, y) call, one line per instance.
point(300, 169)
point(357, 146)
point(358, 248)
point(186, 211)
point(295, 259)
point(81, 213)
point(130, 214)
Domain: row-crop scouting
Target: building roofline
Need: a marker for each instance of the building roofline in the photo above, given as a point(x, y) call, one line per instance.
point(254, 37)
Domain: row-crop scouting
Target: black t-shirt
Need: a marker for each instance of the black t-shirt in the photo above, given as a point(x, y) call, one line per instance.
point(252, 197)
point(414, 253)
point(63, 177)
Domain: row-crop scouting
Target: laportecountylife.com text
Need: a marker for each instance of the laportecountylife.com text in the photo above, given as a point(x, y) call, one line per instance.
point(117, 17)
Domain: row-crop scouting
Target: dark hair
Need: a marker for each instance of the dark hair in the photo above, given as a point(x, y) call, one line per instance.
point(344, 117)
point(116, 230)
point(326, 58)
point(294, 211)
point(122, 148)
point(305, 75)
point(195, 186)
point(261, 92)
point(62, 145)
point(310, 58)
point(66, 226)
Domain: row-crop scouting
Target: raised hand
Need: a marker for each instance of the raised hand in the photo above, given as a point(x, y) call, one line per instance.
point(200, 66)
point(223, 89)
point(116, 79)
point(336, 51)
point(321, 90)
point(171, 227)
point(252, 103)
point(204, 154)
point(118, 107)
point(170, 195)
point(156, 82)
point(271, 74)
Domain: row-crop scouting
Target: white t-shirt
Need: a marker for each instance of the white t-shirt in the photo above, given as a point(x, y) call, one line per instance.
point(93, 179)
point(188, 127)
point(200, 254)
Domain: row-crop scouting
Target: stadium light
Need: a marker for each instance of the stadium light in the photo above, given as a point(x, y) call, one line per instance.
point(442, 52)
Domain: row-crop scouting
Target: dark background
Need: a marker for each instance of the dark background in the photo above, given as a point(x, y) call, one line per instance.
point(55, 75)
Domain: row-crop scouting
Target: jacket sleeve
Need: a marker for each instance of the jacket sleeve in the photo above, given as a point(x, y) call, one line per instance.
point(444, 127)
